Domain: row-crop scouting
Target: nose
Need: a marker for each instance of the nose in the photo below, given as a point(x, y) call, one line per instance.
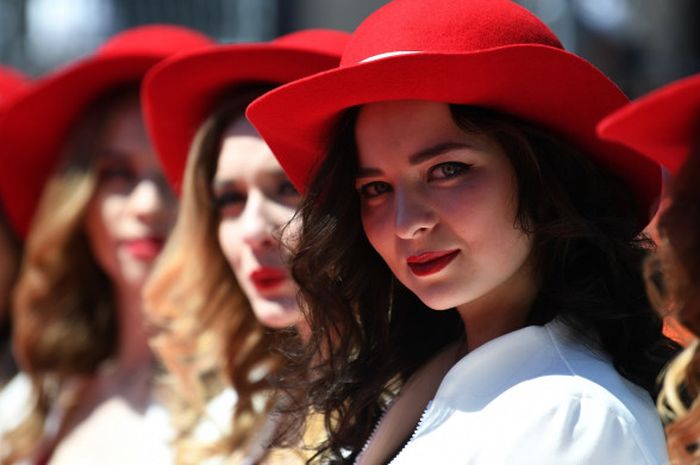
point(151, 199)
point(414, 214)
point(256, 224)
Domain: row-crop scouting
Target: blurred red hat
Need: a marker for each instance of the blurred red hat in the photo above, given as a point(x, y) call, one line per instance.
point(37, 122)
point(11, 82)
point(490, 53)
point(662, 125)
point(180, 92)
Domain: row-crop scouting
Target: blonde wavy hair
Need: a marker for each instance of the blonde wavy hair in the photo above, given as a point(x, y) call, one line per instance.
point(64, 313)
point(207, 334)
point(672, 284)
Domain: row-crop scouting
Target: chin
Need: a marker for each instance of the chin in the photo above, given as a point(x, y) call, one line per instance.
point(276, 315)
point(439, 297)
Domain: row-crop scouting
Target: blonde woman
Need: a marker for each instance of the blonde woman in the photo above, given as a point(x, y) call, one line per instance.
point(86, 178)
point(221, 292)
point(664, 125)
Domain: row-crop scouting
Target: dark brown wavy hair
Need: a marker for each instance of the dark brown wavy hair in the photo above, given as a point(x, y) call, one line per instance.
point(374, 333)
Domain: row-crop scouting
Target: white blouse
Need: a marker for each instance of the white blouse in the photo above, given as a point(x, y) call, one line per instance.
point(536, 396)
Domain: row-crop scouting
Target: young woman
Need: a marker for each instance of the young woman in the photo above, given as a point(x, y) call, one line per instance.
point(11, 82)
point(85, 176)
point(468, 242)
point(221, 292)
point(665, 126)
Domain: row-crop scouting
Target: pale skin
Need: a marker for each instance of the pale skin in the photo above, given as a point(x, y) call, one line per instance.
point(429, 189)
point(129, 217)
point(255, 200)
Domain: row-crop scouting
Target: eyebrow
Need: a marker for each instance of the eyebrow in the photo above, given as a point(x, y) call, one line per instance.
point(419, 157)
point(221, 184)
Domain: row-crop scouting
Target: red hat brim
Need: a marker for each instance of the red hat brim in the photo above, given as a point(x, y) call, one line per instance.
point(662, 125)
point(180, 93)
point(538, 83)
point(11, 82)
point(36, 122)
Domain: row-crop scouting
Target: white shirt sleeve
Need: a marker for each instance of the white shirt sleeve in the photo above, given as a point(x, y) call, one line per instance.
point(580, 430)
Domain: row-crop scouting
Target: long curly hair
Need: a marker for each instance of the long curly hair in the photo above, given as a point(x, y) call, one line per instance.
point(672, 285)
point(374, 333)
point(64, 310)
point(207, 334)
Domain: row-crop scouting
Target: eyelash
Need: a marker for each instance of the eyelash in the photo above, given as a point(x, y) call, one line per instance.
point(116, 172)
point(228, 199)
point(460, 168)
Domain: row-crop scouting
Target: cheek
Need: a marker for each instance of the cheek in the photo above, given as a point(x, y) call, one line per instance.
point(229, 242)
point(102, 222)
point(378, 226)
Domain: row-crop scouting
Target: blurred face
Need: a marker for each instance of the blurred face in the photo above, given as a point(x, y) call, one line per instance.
point(133, 209)
point(255, 200)
point(439, 205)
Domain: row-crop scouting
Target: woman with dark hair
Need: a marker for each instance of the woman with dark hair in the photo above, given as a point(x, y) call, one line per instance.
point(665, 126)
point(469, 255)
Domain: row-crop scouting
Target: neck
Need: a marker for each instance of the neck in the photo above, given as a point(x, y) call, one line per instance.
point(133, 352)
point(503, 310)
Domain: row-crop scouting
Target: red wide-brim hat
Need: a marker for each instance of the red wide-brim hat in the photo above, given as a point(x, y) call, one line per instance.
point(489, 53)
point(37, 121)
point(11, 82)
point(179, 93)
point(662, 125)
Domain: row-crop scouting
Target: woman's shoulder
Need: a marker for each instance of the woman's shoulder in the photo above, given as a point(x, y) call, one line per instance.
point(544, 388)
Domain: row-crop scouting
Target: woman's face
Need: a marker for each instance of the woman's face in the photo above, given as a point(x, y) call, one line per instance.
point(254, 200)
point(437, 204)
point(133, 209)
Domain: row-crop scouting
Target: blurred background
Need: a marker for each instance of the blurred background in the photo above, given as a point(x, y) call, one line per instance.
point(640, 44)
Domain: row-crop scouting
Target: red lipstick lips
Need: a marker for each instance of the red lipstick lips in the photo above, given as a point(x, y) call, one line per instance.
point(429, 263)
point(267, 278)
point(145, 248)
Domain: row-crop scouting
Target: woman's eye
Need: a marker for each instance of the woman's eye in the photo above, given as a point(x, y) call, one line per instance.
point(448, 170)
point(374, 189)
point(229, 203)
point(286, 189)
point(116, 173)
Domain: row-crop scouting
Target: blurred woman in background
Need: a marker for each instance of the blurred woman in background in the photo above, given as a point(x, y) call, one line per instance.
point(221, 293)
point(665, 126)
point(89, 193)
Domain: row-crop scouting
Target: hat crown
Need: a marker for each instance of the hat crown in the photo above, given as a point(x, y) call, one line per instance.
point(445, 26)
point(157, 39)
point(324, 41)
